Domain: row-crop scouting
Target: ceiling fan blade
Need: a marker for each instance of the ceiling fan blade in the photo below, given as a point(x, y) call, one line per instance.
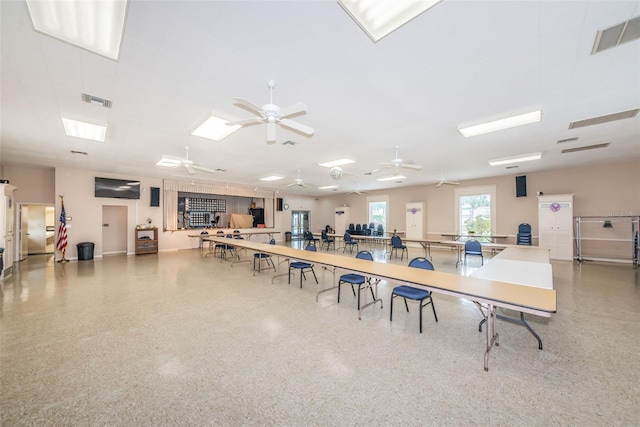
point(292, 109)
point(452, 182)
point(297, 126)
point(411, 166)
point(249, 105)
point(189, 169)
point(203, 169)
point(271, 133)
point(244, 122)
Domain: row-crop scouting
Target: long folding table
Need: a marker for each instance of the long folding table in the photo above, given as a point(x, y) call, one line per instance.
point(525, 298)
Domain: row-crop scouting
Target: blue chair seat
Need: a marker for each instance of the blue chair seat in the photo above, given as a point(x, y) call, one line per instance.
point(411, 293)
point(303, 266)
point(300, 264)
point(357, 279)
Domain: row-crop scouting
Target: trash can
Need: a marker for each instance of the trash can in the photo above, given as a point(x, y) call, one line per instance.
point(85, 251)
point(287, 236)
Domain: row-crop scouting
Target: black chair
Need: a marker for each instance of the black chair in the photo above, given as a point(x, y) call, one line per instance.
point(303, 266)
point(215, 221)
point(351, 230)
point(348, 241)
point(358, 231)
point(473, 247)
point(365, 230)
point(415, 294)
point(259, 256)
point(524, 235)
point(230, 249)
point(219, 247)
point(380, 230)
point(328, 241)
point(357, 279)
point(309, 239)
point(396, 243)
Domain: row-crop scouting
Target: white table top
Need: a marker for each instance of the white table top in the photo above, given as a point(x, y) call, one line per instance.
point(521, 266)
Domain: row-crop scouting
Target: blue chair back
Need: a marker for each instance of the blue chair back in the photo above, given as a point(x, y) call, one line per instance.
point(524, 228)
point(272, 241)
point(421, 262)
point(396, 241)
point(347, 237)
point(380, 230)
point(311, 248)
point(324, 235)
point(366, 255)
point(473, 246)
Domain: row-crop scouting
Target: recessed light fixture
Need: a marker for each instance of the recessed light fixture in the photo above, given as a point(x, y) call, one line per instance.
point(93, 25)
point(378, 18)
point(391, 178)
point(339, 162)
point(84, 130)
point(506, 123)
point(214, 128)
point(328, 187)
point(271, 178)
point(516, 159)
point(169, 162)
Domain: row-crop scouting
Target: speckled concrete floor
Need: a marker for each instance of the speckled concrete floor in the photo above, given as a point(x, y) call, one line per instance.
point(181, 339)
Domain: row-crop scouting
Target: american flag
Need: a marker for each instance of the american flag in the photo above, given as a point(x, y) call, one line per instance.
point(61, 244)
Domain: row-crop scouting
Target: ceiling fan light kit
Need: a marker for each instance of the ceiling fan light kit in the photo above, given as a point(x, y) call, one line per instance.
point(272, 115)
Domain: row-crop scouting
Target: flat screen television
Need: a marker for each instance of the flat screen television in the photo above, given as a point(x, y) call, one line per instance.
point(117, 188)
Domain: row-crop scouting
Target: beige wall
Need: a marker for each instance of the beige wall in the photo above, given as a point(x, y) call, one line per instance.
point(35, 185)
point(598, 190)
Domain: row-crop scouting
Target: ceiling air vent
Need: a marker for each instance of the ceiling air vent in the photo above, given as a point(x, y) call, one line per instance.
point(618, 34)
point(584, 148)
point(90, 99)
point(289, 143)
point(511, 167)
point(562, 141)
point(604, 119)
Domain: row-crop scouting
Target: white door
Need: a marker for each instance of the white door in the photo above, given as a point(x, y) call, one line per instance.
point(415, 220)
point(24, 233)
point(114, 230)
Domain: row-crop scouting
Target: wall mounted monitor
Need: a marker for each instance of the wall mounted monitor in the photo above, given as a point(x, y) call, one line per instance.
point(117, 188)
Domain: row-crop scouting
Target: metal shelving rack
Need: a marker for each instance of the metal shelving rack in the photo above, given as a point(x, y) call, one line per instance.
point(631, 221)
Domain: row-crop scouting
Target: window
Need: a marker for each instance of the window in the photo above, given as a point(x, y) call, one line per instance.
point(475, 210)
point(378, 211)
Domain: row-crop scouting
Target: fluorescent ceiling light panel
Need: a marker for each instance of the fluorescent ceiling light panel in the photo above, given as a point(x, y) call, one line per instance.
point(93, 25)
point(327, 187)
point(378, 18)
point(516, 159)
point(507, 123)
point(271, 178)
point(84, 130)
point(339, 162)
point(214, 128)
point(391, 178)
point(169, 162)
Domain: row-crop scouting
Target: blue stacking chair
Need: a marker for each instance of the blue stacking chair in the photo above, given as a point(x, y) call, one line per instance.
point(327, 240)
point(358, 230)
point(219, 247)
point(303, 266)
point(524, 235)
point(396, 243)
point(415, 294)
point(259, 256)
point(473, 247)
point(356, 279)
point(348, 241)
point(309, 239)
point(380, 230)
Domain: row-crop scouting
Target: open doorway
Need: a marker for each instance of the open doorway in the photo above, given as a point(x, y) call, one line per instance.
point(37, 227)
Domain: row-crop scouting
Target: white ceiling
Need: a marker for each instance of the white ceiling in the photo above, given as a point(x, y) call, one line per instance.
point(458, 63)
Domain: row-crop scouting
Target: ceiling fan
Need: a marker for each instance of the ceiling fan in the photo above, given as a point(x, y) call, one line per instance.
point(189, 165)
point(397, 163)
point(442, 181)
point(297, 182)
point(358, 192)
point(272, 114)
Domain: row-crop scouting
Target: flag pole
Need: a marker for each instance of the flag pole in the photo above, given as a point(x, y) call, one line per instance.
point(61, 243)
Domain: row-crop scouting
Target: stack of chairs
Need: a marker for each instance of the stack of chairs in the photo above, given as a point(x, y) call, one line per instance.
point(524, 235)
